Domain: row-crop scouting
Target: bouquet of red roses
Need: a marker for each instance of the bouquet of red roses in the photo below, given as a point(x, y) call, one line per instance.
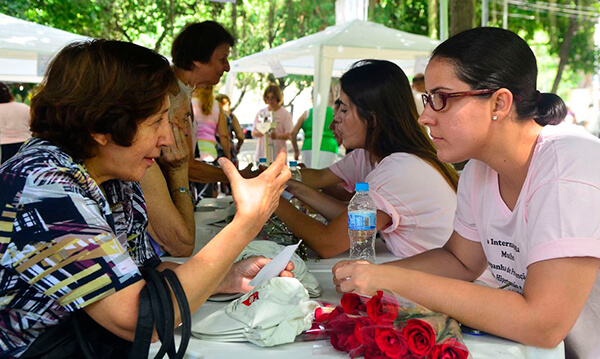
point(386, 326)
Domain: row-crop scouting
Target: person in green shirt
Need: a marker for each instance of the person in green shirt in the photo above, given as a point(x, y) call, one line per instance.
point(329, 146)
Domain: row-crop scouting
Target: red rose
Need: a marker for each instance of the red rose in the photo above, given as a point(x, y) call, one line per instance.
point(449, 349)
point(370, 348)
point(391, 342)
point(351, 303)
point(341, 333)
point(362, 322)
point(420, 337)
point(323, 315)
point(382, 311)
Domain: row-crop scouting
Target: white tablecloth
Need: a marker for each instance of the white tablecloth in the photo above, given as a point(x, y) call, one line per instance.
point(485, 346)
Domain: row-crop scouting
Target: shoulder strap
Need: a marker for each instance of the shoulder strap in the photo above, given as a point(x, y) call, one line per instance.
point(184, 310)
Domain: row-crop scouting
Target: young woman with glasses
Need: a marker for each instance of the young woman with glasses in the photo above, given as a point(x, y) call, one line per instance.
point(527, 203)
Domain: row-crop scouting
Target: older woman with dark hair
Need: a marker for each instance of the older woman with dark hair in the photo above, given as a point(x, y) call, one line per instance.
point(73, 215)
point(14, 123)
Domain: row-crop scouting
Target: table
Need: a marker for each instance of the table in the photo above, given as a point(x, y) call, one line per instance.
point(485, 346)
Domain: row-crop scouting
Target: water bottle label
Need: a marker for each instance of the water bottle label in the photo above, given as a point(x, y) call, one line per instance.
point(361, 221)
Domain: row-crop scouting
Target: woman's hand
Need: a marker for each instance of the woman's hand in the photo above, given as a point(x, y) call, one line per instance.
point(176, 156)
point(257, 198)
point(358, 276)
point(242, 272)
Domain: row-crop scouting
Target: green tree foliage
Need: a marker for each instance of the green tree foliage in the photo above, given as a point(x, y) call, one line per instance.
point(261, 24)
point(569, 35)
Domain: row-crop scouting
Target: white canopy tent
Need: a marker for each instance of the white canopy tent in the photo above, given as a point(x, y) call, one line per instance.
point(329, 53)
point(26, 48)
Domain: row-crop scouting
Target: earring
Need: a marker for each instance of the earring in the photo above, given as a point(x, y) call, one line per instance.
point(494, 118)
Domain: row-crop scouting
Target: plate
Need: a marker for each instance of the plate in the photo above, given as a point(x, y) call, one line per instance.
point(224, 297)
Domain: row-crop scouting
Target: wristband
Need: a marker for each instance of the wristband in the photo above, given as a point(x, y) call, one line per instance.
point(184, 190)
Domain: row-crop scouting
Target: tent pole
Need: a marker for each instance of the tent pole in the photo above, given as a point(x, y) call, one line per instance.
point(443, 20)
point(322, 82)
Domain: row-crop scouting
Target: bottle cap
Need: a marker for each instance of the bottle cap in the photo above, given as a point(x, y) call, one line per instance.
point(293, 163)
point(262, 160)
point(361, 186)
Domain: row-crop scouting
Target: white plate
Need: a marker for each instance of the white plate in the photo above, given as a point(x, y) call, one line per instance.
point(224, 297)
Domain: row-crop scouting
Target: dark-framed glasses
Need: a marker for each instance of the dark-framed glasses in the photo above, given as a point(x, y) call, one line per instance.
point(438, 100)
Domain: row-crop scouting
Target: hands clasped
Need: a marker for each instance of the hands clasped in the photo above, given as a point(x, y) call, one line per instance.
point(357, 276)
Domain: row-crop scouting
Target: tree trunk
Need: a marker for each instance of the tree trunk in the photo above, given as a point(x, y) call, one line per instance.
point(462, 15)
point(433, 18)
point(565, 47)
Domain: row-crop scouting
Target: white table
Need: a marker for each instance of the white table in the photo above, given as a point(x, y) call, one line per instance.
point(485, 346)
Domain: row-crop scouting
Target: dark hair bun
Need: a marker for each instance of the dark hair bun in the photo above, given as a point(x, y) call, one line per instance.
point(551, 109)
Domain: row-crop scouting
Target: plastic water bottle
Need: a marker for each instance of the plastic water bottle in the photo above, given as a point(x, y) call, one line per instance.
point(262, 162)
point(362, 227)
point(296, 175)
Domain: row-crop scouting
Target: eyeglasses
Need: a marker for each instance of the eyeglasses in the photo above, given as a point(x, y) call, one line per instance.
point(438, 100)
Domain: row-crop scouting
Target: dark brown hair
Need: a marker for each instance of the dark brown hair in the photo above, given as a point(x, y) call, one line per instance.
point(5, 94)
point(383, 98)
point(197, 42)
point(99, 86)
point(493, 58)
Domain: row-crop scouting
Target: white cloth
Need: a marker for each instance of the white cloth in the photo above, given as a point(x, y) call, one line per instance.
point(415, 195)
point(556, 215)
point(283, 124)
point(270, 250)
point(274, 313)
point(14, 123)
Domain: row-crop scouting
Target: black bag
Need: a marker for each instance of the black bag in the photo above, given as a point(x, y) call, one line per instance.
point(81, 337)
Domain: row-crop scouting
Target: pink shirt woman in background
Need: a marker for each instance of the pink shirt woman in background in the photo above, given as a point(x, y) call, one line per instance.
point(282, 119)
point(210, 121)
point(14, 123)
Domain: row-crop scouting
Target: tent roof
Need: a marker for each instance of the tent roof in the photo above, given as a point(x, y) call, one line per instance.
point(345, 43)
point(26, 48)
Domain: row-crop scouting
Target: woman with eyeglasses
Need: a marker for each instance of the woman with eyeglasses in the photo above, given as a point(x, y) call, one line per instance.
point(414, 191)
point(527, 203)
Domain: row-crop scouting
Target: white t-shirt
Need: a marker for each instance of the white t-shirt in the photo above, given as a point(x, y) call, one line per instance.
point(14, 123)
point(556, 215)
point(415, 195)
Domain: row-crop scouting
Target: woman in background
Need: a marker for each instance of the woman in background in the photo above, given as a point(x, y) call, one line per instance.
point(329, 146)
point(14, 123)
point(211, 122)
point(280, 117)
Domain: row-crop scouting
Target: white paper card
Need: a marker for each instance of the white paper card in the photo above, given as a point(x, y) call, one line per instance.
point(275, 266)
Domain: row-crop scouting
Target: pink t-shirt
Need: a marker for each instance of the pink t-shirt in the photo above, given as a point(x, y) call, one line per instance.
point(283, 124)
point(415, 195)
point(207, 124)
point(556, 215)
point(14, 123)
